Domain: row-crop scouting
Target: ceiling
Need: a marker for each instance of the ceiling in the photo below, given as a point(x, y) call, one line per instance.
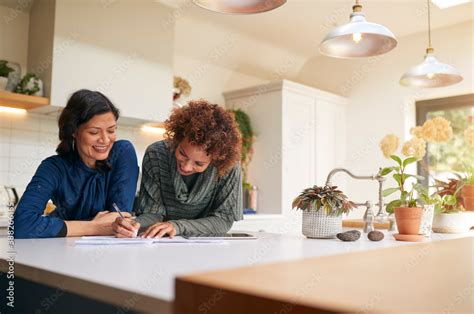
point(286, 40)
point(299, 23)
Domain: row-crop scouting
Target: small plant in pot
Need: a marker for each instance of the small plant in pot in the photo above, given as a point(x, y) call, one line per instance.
point(407, 209)
point(4, 72)
point(322, 211)
point(451, 218)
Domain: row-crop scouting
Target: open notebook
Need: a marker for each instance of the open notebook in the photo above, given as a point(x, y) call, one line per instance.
point(111, 240)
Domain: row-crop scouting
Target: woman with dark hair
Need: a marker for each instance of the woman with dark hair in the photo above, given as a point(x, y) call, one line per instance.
point(90, 172)
point(191, 181)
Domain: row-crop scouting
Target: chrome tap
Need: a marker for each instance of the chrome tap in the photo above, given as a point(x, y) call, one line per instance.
point(382, 215)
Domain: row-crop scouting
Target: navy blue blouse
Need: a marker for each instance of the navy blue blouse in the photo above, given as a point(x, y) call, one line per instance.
point(79, 192)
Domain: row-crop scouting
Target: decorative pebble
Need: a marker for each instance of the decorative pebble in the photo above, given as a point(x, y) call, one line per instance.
point(352, 235)
point(375, 236)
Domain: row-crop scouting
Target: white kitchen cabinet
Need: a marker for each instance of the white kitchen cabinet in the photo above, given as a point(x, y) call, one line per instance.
point(300, 137)
point(123, 49)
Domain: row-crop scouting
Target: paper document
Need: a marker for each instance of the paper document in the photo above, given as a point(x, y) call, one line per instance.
point(111, 240)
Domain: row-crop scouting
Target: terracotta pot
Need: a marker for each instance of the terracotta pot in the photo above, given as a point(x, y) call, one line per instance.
point(408, 219)
point(467, 194)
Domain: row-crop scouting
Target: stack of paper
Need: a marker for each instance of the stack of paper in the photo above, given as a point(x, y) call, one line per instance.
point(111, 240)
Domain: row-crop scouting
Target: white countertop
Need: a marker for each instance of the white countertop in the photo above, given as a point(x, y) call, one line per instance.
point(151, 269)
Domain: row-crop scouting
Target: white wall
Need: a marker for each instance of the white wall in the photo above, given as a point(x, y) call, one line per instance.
point(209, 81)
point(14, 36)
point(122, 48)
point(379, 105)
point(25, 140)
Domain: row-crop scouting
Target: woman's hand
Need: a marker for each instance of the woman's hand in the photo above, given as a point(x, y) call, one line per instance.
point(103, 221)
point(125, 228)
point(160, 229)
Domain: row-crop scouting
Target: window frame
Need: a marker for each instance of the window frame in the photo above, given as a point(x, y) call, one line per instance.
point(423, 107)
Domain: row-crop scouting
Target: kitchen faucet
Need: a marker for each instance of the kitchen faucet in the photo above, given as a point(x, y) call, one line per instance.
point(382, 215)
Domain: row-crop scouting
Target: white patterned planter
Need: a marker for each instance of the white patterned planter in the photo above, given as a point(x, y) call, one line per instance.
point(452, 223)
point(427, 220)
point(317, 224)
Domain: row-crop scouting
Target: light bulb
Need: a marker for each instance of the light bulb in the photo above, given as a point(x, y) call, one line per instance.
point(430, 75)
point(357, 37)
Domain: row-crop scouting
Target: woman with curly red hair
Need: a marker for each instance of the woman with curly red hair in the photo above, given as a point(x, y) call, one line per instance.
point(191, 181)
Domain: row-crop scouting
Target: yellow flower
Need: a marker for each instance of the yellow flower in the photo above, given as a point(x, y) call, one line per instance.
point(181, 86)
point(389, 145)
point(469, 135)
point(437, 130)
point(415, 147)
point(417, 131)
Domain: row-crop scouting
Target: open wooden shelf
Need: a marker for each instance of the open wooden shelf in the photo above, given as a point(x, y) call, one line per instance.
point(9, 99)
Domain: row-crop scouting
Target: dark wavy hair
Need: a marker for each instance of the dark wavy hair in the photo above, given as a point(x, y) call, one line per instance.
point(82, 106)
point(209, 126)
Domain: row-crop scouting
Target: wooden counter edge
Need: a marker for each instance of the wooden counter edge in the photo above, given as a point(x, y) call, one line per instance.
point(200, 295)
point(96, 291)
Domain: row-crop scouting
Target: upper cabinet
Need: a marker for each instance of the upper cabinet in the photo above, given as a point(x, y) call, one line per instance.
point(120, 48)
point(300, 138)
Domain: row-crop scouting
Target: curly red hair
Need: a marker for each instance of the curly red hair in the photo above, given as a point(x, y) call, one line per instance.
point(210, 127)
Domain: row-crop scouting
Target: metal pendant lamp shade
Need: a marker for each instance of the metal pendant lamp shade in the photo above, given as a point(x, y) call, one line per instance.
point(358, 38)
point(431, 73)
point(239, 6)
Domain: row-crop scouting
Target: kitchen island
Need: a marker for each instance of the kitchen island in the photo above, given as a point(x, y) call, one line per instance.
point(142, 277)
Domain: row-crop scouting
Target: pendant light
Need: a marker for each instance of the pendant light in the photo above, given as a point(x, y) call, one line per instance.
point(358, 38)
point(239, 6)
point(431, 73)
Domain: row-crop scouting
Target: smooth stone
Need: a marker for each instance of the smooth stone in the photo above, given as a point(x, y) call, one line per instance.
point(375, 235)
point(349, 236)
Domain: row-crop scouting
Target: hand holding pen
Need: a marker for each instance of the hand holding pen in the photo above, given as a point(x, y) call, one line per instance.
point(124, 227)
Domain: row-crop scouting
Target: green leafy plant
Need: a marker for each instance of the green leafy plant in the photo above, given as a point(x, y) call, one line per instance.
point(4, 68)
point(469, 178)
point(23, 88)
point(407, 197)
point(246, 131)
point(449, 193)
point(328, 198)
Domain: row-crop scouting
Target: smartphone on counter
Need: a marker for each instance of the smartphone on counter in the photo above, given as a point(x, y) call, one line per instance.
point(223, 236)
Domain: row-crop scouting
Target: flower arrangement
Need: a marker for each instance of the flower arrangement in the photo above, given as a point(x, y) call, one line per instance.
point(180, 87)
point(436, 130)
point(469, 136)
point(329, 198)
point(389, 145)
point(29, 85)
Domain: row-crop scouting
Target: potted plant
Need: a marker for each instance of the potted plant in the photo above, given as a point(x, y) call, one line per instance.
point(246, 131)
point(467, 190)
point(322, 211)
point(181, 87)
point(30, 84)
point(408, 212)
point(4, 72)
point(451, 218)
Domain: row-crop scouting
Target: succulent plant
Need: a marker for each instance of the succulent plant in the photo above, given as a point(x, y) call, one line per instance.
point(332, 200)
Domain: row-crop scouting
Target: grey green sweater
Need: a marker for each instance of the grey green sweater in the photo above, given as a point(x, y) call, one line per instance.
point(211, 206)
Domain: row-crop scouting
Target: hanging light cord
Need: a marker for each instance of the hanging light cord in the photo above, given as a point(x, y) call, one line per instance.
point(429, 25)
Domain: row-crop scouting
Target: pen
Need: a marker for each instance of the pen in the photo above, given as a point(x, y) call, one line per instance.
point(120, 213)
point(118, 210)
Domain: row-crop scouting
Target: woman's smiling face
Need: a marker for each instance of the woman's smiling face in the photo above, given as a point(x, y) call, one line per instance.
point(95, 138)
point(191, 159)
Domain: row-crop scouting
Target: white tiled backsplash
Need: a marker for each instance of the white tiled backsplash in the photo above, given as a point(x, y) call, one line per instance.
point(25, 140)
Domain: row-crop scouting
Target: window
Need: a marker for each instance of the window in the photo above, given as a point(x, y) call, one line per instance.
point(442, 159)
